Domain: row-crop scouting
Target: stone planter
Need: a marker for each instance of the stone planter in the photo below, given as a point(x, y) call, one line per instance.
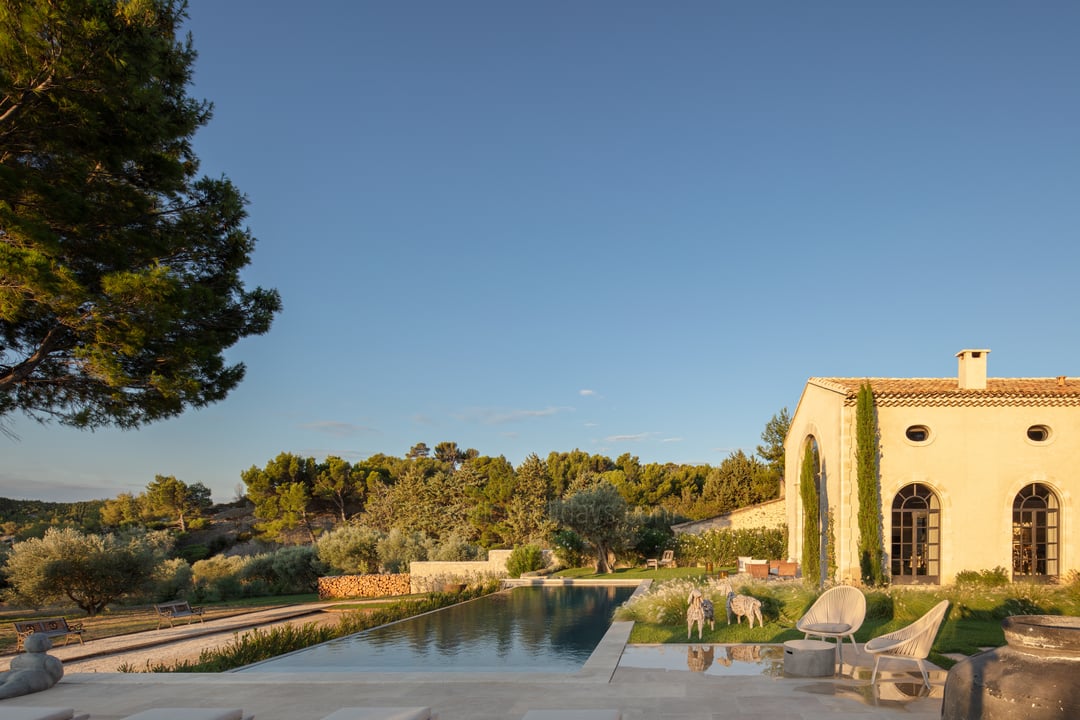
point(1034, 677)
point(452, 587)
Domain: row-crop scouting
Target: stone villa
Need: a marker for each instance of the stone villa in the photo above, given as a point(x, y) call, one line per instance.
point(975, 472)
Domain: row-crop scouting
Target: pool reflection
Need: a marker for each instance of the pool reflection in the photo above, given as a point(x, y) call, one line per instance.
point(722, 660)
point(528, 629)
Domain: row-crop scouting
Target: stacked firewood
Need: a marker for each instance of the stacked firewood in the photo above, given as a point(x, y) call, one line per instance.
point(349, 586)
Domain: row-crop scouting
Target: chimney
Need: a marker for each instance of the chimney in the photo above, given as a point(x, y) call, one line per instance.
point(972, 372)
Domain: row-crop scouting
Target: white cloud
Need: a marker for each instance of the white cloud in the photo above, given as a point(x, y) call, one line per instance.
point(338, 429)
point(638, 437)
point(498, 416)
point(586, 393)
point(672, 439)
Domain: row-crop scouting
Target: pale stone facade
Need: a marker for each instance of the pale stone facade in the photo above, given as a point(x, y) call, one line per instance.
point(769, 514)
point(975, 472)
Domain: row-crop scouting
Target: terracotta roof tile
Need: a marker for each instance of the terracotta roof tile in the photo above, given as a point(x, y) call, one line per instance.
point(897, 392)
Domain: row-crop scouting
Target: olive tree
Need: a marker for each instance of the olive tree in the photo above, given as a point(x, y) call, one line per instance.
point(88, 570)
point(599, 515)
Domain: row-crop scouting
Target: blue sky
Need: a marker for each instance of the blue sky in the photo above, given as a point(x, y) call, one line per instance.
point(614, 226)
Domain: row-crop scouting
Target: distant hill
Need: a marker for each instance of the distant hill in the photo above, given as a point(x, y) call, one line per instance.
point(23, 512)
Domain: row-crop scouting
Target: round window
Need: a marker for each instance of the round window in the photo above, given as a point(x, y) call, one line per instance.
point(1038, 433)
point(917, 433)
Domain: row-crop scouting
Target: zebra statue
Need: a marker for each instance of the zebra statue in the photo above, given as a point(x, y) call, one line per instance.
point(743, 606)
point(700, 611)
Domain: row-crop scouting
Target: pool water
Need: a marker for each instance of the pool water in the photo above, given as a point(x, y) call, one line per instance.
point(527, 629)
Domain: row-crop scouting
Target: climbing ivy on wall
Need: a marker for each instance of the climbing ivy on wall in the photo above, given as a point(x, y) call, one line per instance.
point(808, 492)
point(830, 544)
point(866, 463)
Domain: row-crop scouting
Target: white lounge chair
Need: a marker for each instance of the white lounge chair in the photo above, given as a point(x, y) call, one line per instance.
point(911, 643)
point(382, 713)
point(838, 613)
point(9, 712)
point(172, 713)
point(573, 715)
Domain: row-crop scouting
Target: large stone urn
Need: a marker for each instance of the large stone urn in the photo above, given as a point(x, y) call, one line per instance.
point(1035, 676)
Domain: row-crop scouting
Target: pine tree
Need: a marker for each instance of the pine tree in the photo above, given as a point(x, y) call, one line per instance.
point(120, 267)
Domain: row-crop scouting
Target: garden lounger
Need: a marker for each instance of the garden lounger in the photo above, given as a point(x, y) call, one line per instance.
point(8, 712)
point(573, 715)
point(190, 714)
point(382, 713)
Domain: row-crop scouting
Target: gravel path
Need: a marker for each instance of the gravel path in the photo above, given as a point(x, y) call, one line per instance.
point(179, 650)
point(173, 644)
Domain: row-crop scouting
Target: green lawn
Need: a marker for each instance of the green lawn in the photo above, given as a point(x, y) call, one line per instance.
point(973, 621)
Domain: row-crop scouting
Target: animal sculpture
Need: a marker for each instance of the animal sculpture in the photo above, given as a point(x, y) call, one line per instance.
point(699, 612)
point(743, 606)
point(698, 659)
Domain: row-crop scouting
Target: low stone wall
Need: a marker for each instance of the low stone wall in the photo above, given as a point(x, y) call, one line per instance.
point(428, 575)
point(764, 515)
point(350, 586)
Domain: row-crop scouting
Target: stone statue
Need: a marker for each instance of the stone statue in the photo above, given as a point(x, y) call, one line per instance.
point(32, 671)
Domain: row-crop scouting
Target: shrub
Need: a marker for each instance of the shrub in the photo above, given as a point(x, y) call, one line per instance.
point(172, 579)
point(997, 577)
point(193, 553)
point(653, 534)
point(399, 548)
point(217, 578)
point(523, 559)
point(569, 548)
point(351, 549)
point(199, 523)
point(724, 547)
point(879, 604)
point(290, 570)
point(454, 548)
point(1072, 586)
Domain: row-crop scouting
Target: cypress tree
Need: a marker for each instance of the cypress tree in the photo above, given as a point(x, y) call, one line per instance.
point(811, 545)
point(866, 463)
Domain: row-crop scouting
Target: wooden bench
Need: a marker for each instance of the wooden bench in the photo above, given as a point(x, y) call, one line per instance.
point(167, 612)
point(49, 627)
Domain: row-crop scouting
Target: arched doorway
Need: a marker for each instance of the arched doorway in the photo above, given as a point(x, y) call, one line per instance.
point(1035, 533)
point(916, 536)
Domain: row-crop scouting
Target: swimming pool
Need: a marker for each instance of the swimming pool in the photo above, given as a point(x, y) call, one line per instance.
point(527, 629)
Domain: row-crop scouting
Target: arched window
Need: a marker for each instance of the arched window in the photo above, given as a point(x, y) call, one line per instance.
point(1035, 533)
point(916, 536)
